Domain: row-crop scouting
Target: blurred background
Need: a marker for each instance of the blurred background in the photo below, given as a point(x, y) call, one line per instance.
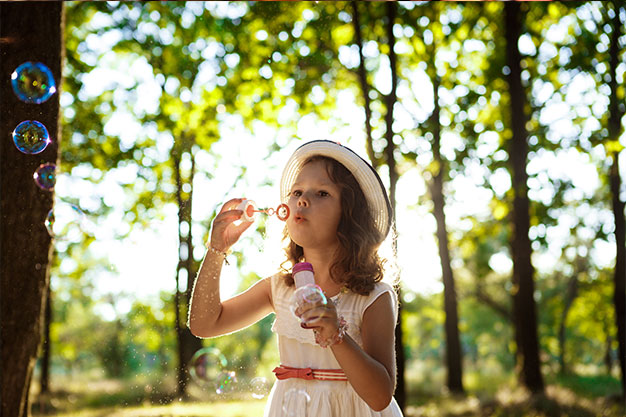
point(497, 127)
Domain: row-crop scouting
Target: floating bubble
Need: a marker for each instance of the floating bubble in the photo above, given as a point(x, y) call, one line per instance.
point(65, 222)
point(33, 82)
point(260, 387)
point(307, 297)
point(296, 403)
point(207, 365)
point(225, 382)
point(45, 176)
point(31, 137)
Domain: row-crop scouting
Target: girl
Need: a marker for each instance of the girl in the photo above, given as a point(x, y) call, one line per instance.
point(342, 361)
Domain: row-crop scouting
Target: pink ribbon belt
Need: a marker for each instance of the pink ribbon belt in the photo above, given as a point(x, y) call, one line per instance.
point(286, 372)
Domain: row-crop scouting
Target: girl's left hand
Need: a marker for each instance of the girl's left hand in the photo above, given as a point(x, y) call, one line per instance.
point(322, 319)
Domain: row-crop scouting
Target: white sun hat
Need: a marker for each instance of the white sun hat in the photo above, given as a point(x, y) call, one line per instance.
point(365, 174)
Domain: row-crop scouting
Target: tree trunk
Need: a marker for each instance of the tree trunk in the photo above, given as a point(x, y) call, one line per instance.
point(619, 278)
point(29, 31)
point(187, 343)
point(570, 296)
point(454, 362)
point(362, 73)
point(390, 101)
point(44, 378)
point(524, 308)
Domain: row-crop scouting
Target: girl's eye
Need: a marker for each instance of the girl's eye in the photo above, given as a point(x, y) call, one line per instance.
point(296, 193)
point(323, 194)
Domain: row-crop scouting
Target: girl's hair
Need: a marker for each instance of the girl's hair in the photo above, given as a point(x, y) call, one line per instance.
point(356, 262)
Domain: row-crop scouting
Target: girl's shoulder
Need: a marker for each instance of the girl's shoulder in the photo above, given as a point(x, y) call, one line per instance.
point(360, 303)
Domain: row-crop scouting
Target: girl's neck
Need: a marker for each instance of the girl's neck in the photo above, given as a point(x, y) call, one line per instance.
point(322, 261)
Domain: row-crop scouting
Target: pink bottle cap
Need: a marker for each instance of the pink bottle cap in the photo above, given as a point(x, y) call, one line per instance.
point(302, 266)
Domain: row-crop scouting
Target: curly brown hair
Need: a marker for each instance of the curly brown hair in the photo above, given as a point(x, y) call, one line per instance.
point(356, 262)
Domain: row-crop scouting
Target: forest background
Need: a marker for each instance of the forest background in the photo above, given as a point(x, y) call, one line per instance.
point(497, 128)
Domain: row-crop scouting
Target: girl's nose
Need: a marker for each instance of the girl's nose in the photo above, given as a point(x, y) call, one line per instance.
point(303, 201)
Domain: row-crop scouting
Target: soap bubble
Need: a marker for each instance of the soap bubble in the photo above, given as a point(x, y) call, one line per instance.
point(309, 295)
point(33, 82)
point(45, 176)
point(260, 387)
point(225, 382)
point(207, 365)
point(31, 137)
point(296, 403)
point(65, 222)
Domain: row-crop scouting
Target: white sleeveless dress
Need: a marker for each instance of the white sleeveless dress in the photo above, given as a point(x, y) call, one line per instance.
point(296, 397)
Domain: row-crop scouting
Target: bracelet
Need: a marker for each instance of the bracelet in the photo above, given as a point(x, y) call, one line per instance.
point(337, 338)
point(218, 252)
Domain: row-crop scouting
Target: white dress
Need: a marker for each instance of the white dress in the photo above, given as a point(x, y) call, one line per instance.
point(295, 397)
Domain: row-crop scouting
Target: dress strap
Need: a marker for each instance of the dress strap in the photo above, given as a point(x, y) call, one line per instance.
point(286, 372)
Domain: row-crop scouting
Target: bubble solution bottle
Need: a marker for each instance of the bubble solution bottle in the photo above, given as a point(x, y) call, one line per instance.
point(307, 292)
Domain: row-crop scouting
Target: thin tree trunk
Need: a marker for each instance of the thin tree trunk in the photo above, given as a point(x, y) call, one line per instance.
point(390, 101)
point(44, 378)
point(454, 363)
point(187, 343)
point(619, 280)
point(524, 306)
point(28, 32)
point(362, 72)
point(570, 296)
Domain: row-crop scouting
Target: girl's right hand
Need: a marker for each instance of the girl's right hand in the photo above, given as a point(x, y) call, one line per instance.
point(226, 230)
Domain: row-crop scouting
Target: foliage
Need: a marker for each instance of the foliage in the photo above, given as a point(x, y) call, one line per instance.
point(193, 70)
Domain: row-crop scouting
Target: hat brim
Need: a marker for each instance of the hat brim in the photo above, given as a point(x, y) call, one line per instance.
point(365, 174)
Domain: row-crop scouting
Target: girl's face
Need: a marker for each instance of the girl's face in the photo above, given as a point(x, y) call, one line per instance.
point(315, 204)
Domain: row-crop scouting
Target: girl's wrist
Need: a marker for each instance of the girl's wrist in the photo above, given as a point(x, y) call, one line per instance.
point(337, 338)
point(223, 254)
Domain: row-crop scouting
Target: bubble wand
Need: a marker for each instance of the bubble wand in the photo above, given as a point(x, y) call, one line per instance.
point(249, 209)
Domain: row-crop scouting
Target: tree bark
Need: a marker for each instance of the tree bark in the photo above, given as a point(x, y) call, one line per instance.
point(524, 308)
point(29, 31)
point(619, 277)
point(454, 362)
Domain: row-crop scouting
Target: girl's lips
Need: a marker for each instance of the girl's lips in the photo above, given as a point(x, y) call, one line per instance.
point(298, 218)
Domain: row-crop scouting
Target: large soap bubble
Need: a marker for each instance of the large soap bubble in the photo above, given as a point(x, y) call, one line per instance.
point(33, 82)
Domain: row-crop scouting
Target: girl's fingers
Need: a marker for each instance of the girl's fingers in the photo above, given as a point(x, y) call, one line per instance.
point(318, 316)
point(231, 204)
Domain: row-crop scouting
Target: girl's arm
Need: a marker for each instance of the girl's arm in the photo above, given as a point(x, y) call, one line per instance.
point(372, 369)
point(208, 316)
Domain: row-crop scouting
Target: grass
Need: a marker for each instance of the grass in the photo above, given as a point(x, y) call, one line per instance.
point(565, 396)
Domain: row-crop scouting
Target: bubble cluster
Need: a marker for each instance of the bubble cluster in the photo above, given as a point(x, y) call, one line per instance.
point(45, 176)
point(31, 137)
point(33, 82)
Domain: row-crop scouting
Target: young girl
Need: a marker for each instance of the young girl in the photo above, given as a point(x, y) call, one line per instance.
point(340, 363)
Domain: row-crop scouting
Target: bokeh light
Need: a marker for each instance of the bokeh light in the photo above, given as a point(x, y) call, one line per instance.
point(31, 137)
point(33, 82)
point(45, 176)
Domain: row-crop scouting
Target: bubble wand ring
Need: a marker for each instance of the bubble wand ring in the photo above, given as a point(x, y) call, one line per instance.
point(249, 208)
